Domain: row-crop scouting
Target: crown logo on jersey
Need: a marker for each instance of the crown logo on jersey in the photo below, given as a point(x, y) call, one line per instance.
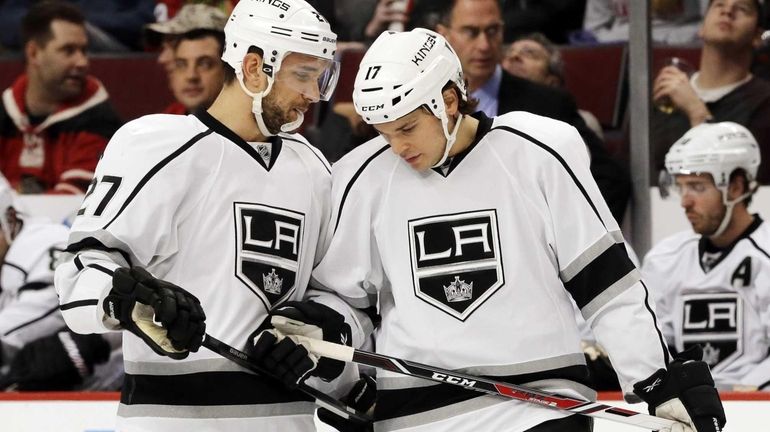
point(272, 283)
point(710, 354)
point(458, 291)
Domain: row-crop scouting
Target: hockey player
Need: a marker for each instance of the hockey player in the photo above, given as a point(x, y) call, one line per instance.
point(473, 236)
point(36, 351)
point(711, 284)
point(220, 211)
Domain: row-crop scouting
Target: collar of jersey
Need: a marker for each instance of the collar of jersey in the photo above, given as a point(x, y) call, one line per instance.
point(705, 245)
point(225, 132)
point(485, 124)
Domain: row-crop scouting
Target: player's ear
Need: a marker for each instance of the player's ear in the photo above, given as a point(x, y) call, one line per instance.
point(738, 186)
point(253, 77)
point(451, 101)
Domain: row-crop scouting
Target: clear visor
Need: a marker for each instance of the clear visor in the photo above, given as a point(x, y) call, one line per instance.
point(313, 77)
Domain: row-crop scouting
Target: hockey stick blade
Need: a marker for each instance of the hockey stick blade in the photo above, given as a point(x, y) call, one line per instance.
point(485, 385)
point(321, 399)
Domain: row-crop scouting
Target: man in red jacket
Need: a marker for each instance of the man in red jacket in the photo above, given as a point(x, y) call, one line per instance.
point(55, 120)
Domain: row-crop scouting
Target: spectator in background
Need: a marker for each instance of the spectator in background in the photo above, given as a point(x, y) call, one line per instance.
point(111, 25)
point(163, 35)
point(474, 28)
point(711, 285)
point(537, 59)
point(723, 89)
point(33, 335)
point(554, 18)
point(198, 73)
point(55, 119)
point(673, 21)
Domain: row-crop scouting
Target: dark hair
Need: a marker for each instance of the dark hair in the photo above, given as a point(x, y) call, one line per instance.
point(465, 107)
point(36, 25)
point(443, 11)
point(745, 180)
point(198, 34)
point(230, 72)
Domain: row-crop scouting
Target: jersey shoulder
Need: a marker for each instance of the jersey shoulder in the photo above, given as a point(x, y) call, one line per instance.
point(311, 155)
point(373, 155)
point(672, 246)
point(540, 135)
point(36, 239)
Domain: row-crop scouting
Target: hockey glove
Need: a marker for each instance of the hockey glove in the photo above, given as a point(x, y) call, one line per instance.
point(308, 319)
point(685, 393)
point(140, 302)
point(361, 397)
point(56, 362)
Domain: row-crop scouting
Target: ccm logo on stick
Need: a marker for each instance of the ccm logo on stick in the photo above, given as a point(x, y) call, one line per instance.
point(454, 380)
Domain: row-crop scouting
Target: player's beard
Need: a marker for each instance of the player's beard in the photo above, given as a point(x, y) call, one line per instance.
point(274, 115)
point(710, 222)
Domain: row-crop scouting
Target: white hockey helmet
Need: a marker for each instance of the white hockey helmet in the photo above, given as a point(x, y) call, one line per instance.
point(9, 222)
point(279, 28)
point(401, 72)
point(717, 149)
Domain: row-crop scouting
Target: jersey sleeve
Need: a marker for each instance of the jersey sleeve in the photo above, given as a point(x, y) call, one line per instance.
point(594, 265)
point(129, 217)
point(654, 271)
point(350, 275)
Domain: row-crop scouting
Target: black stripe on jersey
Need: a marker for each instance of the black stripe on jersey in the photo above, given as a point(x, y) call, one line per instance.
point(666, 356)
point(758, 248)
point(561, 161)
point(154, 170)
point(598, 275)
point(35, 286)
point(763, 385)
point(353, 180)
point(204, 389)
point(92, 243)
point(409, 401)
point(17, 267)
point(79, 303)
point(30, 322)
point(323, 161)
point(224, 131)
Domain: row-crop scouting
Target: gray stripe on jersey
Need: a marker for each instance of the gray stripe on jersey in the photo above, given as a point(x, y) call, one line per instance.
point(610, 293)
point(587, 257)
point(438, 414)
point(181, 367)
point(534, 366)
point(216, 411)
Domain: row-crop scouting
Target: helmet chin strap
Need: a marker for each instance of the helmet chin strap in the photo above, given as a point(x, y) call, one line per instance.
point(450, 137)
point(729, 206)
point(256, 109)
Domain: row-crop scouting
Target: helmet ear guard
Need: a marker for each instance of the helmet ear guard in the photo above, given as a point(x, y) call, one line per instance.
point(10, 217)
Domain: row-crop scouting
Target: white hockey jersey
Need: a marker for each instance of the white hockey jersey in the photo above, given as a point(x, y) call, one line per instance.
point(29, 307)
point(718, 299)
point(237, 224)
point(476, 270)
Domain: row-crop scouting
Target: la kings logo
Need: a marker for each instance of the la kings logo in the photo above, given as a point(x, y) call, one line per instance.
point(269, 242)
point(715, 321)
point(456, 262)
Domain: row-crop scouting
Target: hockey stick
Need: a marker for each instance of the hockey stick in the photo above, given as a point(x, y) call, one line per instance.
point(485, 385)
point(321, 399)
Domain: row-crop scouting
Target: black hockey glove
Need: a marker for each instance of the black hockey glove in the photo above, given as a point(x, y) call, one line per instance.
point(361, 397)
point(56, 362)
point(685, 393)
point(291, 362)
point(140, 302)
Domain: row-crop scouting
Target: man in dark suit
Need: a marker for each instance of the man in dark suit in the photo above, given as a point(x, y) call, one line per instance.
point(474, 28)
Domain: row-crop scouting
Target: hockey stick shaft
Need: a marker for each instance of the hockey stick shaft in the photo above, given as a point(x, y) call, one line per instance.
point(321, 399)
point(485, 385)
